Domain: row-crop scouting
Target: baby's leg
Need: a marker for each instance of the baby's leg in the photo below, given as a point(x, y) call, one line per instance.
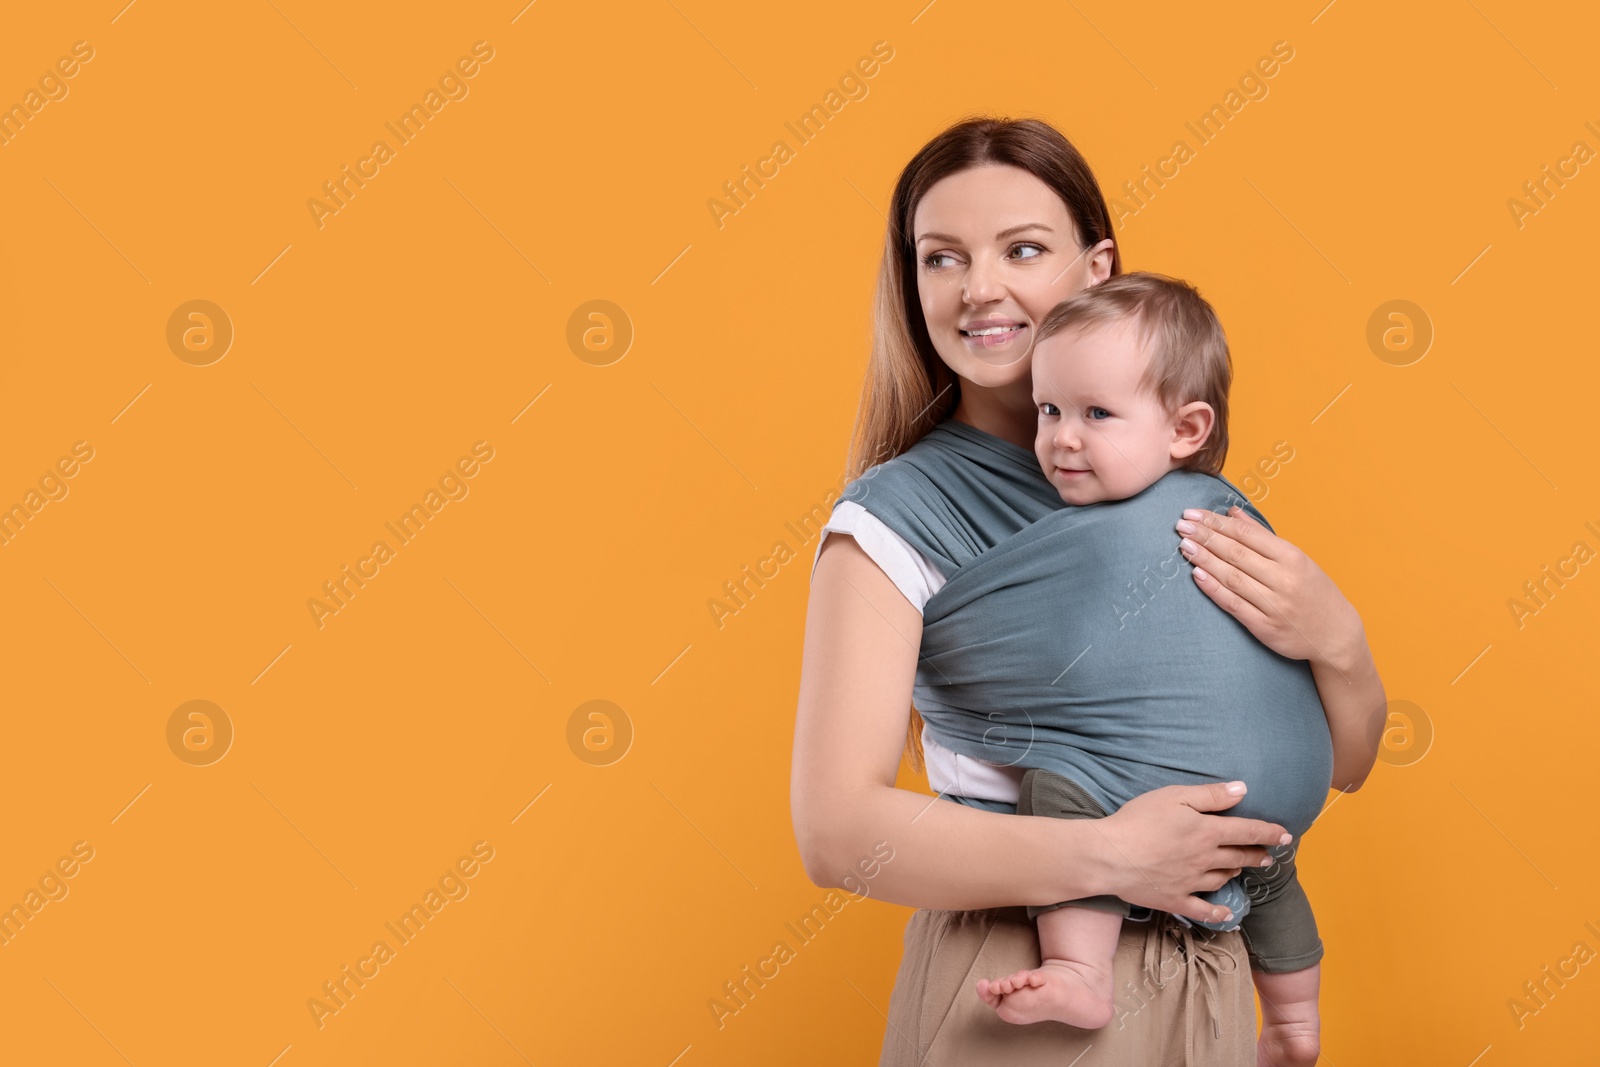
point(1285, 953)
point(1290, 1024)
point(1073, 984)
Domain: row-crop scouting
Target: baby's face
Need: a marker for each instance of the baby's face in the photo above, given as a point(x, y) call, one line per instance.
point(1100, 436)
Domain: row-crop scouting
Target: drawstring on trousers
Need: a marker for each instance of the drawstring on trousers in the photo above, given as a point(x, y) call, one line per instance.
point(1203, 962)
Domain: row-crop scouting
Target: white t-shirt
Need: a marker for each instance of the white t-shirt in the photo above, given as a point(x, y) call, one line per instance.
point(913, 575)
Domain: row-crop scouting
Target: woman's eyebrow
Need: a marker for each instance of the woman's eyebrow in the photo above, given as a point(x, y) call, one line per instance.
point(1001, 236)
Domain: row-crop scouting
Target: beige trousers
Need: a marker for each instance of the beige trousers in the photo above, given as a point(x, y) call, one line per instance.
point(1183, 997)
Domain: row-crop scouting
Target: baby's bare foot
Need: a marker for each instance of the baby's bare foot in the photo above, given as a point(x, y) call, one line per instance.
point(1288, 1043)
point(1061, 990)
point(1290, 1022)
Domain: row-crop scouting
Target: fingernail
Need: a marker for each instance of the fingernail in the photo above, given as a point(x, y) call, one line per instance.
point(1267, 862)
point(1227, 915)
point(1285, 839)
point(1187, 547)
point(1200, 575)
point(1185, 526)
point(1191, 513)
point(1236, 789)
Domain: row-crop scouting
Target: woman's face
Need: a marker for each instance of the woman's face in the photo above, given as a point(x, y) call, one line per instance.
point(996, 250)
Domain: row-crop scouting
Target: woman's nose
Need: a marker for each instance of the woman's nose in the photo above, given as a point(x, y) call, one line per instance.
point(982, 285)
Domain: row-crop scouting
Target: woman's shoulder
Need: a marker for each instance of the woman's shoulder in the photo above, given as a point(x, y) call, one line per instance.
point(909, 475)
point(930, 447)
point(957, 460)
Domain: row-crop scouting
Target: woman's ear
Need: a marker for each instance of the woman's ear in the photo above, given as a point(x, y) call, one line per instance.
point(1100, 261)
point(1191, 425)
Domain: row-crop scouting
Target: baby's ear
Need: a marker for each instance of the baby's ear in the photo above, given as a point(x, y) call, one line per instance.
point(1191, 426)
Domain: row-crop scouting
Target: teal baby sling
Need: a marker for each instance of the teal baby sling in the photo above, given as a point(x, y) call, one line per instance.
point(1075, 640)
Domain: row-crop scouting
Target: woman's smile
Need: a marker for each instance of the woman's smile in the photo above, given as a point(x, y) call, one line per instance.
point(994, 333)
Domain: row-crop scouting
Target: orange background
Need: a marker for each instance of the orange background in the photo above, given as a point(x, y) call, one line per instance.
point(432, 711)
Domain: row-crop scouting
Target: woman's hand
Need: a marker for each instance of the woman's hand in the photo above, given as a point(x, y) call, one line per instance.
point(1277, 591)
point(1160, 847)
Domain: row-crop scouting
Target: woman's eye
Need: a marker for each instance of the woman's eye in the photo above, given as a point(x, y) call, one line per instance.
point(929, 260)
point(1099, 413)
point(1048, 409)
point(1037, 250)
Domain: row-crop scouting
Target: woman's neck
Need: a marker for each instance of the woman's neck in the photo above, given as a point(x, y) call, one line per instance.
point(1007, 413)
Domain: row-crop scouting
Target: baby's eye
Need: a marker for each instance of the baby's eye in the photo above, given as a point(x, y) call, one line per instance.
point(1098, 413)
point(1047, 409)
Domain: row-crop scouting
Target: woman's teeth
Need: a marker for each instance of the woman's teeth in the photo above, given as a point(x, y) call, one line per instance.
point(997, 336)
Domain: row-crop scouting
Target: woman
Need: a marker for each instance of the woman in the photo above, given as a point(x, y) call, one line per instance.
point(992, 224)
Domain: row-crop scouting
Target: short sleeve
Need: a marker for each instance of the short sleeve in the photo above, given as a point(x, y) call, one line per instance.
point(907, 568)
point(948, 772)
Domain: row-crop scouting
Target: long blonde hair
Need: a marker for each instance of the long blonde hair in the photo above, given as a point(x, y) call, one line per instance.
point(908, 389)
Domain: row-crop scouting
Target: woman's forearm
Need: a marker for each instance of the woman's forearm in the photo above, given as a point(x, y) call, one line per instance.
point(1353, 697)
point(948, 855)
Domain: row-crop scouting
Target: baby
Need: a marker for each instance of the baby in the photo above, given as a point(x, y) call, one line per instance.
point(1131, 380)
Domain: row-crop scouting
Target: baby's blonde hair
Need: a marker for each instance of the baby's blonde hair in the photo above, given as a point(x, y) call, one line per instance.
point(1188, 351)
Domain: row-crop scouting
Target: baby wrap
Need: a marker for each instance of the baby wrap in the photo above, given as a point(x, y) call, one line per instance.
point(1074, 639)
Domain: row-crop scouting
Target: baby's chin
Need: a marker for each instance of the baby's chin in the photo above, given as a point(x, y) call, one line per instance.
point(1079, 497)
point(1092, 490)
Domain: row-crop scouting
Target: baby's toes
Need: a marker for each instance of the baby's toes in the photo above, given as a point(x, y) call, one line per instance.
point(1022, 980)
